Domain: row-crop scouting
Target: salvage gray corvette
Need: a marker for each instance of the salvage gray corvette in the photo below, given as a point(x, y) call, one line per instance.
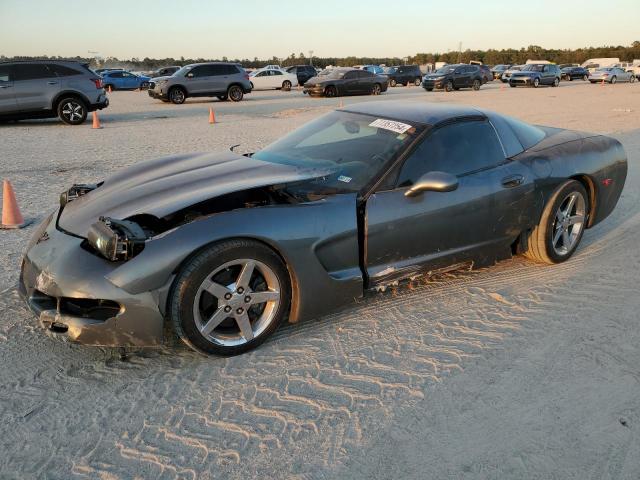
point(224, 247)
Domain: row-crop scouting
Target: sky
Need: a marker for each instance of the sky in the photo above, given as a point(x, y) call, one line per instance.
point(253, 28)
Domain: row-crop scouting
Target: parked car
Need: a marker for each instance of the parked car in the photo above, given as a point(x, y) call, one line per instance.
point(223, 247)
point(302, 72)
point(346, 81)
point(611, 75)
point(214, 79)
point(510, 71)
point(498, 70)
point(485, 71)
point(536, 74)
point(49, 88)
point(454, 77)
point(100, 71)
point(572, 73)
point(404, 75)
point(273, 79)
point(164, 72)
point(123, 80)
point(377, 69)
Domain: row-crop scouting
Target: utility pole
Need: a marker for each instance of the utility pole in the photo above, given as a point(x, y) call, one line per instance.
point(311, 57)
point(459, 52)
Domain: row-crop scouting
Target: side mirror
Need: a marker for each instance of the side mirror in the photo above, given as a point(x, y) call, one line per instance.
point(433, 181)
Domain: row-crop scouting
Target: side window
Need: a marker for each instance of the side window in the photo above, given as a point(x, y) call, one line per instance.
point(217, 70)
point(263, 74)
point(31, 71)
point(5, 73)
point(350, 75)
point(458, 148)
point(116, 75)
point(230, 69)
point(62, 70)
point(365, 74)
point(201, 71)
point(277, 72)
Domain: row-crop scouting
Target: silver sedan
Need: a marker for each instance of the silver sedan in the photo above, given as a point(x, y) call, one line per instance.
point(611, 75)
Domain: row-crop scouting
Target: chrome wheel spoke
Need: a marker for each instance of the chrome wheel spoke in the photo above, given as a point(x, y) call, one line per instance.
point(215, 289)
point(245, 326)
point(262, 297)
point(569, 208)
point(245, 275)
point(215, 320)
point(557, 236)
point(566, 239)
point(576, 220)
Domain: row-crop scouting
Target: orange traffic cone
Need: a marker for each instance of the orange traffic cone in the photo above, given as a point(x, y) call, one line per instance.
point(11, 216)
point(96, 120)
point(109, 89)
point(341, 104)
point(212, 116)
point(602, 84)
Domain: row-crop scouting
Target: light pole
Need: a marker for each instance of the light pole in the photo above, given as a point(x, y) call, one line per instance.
point(311, 57)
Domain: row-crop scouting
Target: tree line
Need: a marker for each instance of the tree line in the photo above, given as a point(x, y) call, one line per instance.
point(489, 57)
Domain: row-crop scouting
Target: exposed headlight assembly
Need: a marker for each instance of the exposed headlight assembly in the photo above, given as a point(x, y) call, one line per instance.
point(116, 240)
point(76, 191)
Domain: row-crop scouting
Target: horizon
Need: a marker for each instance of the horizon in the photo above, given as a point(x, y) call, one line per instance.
point(137, 31)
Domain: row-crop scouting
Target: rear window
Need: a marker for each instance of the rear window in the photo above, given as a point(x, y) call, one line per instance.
point(5, 73)
point(528, 135)
point(31, 71)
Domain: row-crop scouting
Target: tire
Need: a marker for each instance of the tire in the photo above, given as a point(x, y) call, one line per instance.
point(429, 89)
point(556, 82)
point(585, 78)
point(448, 86)
point(476, 84)
point(72, 110)
point(330, 91)
point(286, 85)
point(536, 82)
point(632, 79)
point(223, 98)
point(376, 89)
point(417, 82)
point(109, 85)
point(541, 241)
point(235, 93)
point(512, 85)
point(252, 86)
point(209, 288)
point(613, 80)
point(570, 78)
point(177, 95)
point(392, 83)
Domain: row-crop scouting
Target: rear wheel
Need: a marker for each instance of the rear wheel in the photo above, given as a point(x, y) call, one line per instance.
point(177, 95)
point(230, 297)
point(632, 79)
point(448, 86)
point(585, 77)
point(109, 87)
point(556, 82)
point(235, 93)
point(72, 110)
point(512, 85)
point(561, 226)
point(476, 84)
point(417, 82)
point(330, 91)
point(613, 80)
point(429, 89)
point(392, 83)
point(286, 85)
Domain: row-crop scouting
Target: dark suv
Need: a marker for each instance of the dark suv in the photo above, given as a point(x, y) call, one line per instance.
point(536, 74)
point(216, 79)
point(48, 88)
point(403, 75)
point(454, 77)
point(303, 72)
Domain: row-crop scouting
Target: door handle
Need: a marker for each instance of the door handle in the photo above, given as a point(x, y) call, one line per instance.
point(512, 181)
point(52, 83)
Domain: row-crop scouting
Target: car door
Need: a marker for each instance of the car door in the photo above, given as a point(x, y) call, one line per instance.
point(405, 235)
point(34, 86)
point(276, 79)
point(129, 80)
point(350, 83)
point(261, 79)
point(8, 103)
point(365, 82)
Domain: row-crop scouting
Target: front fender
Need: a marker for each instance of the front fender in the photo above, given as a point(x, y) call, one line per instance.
point(318, 241)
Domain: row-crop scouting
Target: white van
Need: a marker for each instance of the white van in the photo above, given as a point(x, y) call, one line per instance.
point(595, 63)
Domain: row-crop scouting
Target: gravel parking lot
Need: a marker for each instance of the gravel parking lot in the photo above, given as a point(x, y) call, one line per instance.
point(515, 371)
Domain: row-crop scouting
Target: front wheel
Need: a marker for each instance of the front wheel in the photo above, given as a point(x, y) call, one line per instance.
point(72, 111)
point(613, 80)
point(417, 82)
point(632, 79)
point(230, 297)
point(585, 77)
point(235, 93)
point(556, 82)
point(286, 85)
point(330, 91)
point(536, 82)
point(476, 84)
point(177, 95)
point(392, 83)
point(376, 89)
point(429, 89)
point(448, 86)
point(561, 226)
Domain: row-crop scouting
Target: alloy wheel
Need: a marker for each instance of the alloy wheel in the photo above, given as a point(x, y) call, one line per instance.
point(237, 302)
point(72, 111)
point(569, 222)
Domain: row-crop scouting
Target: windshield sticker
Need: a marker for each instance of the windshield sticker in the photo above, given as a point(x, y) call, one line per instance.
point(397, 127)
point(344, 178)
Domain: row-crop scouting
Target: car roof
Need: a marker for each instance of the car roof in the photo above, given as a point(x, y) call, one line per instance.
point(75, 62)
point(425, 113)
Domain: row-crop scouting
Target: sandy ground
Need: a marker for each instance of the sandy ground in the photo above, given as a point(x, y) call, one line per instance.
point(516, 371)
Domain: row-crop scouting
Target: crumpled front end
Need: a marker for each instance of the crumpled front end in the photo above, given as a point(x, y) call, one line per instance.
point(64, 284)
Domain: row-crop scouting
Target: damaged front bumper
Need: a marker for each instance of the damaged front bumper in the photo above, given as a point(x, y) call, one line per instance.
point(64, 284)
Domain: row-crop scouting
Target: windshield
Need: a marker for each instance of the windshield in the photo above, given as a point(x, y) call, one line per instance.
point(183, 71)
point(533, 68)
point(347, 150)
point(604, 69)
point(448, 69)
